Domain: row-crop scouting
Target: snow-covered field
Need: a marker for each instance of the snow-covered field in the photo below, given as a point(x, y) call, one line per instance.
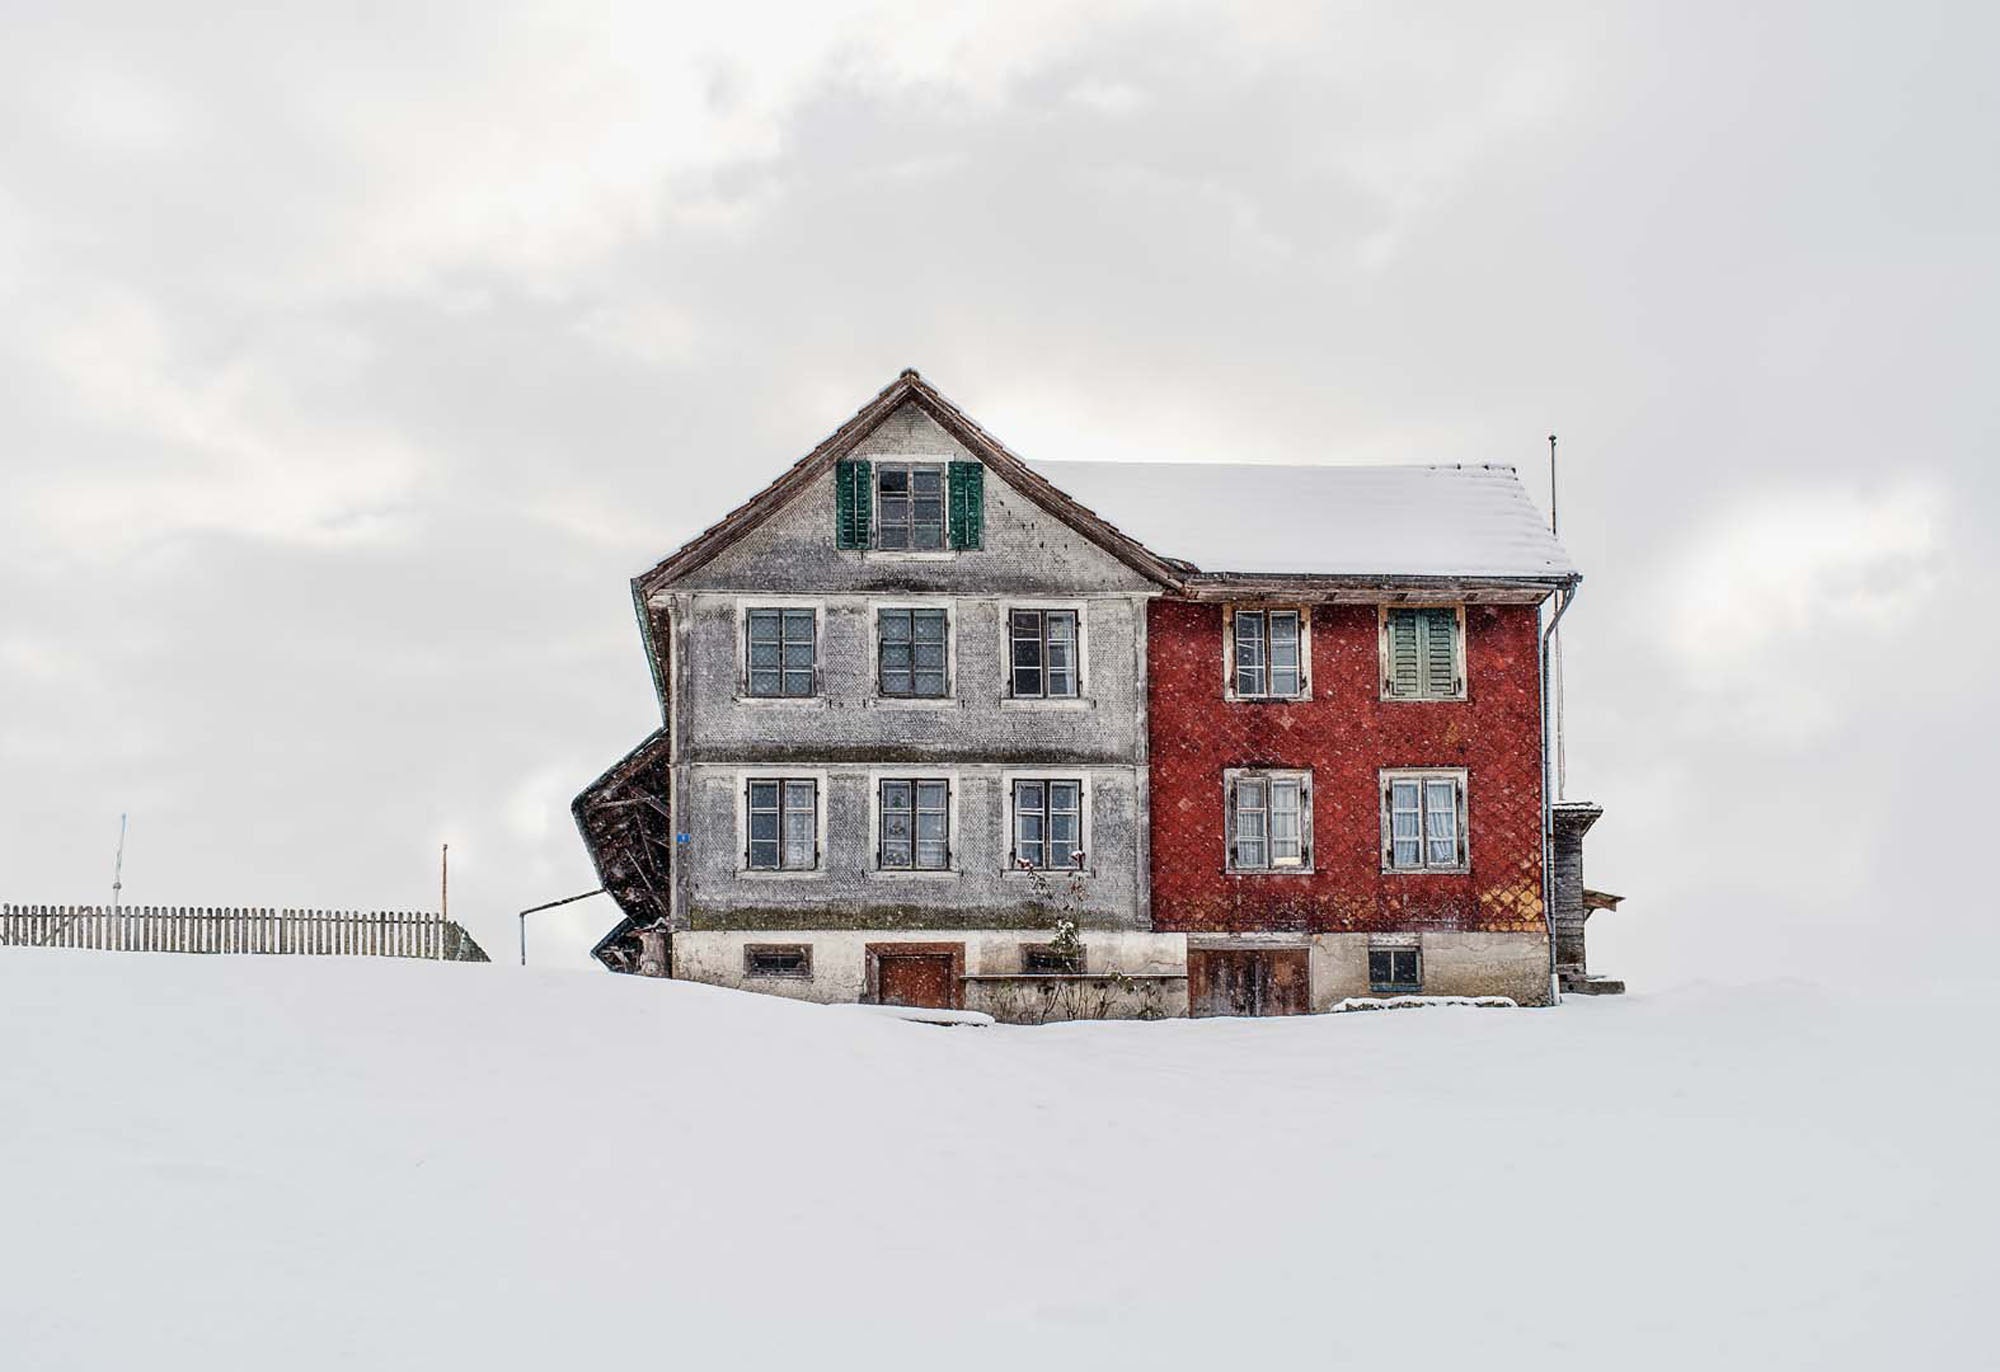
point(302, 1164)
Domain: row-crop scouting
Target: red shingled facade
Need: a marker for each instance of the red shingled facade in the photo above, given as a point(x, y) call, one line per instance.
point(1346, 734)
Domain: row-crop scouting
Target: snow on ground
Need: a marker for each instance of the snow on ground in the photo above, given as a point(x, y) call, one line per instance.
point(311, 1163)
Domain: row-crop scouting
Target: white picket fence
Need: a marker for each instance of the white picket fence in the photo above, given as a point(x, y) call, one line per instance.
point(200, 929)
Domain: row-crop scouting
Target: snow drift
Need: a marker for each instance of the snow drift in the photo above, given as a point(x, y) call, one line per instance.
point(257, 1163)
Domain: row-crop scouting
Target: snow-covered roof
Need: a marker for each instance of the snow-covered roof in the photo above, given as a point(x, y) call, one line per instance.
point(1471, 521)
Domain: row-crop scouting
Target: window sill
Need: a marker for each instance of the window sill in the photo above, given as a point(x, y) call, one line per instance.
point(1269, 871)
point(1052, 873)
point(784, 702)
point(913, 874)
point(1423, 700)
point(913, 703)
point(1047, 703)
point(910, 554)
point(1464, 871)
point(1235, 699)
point(797, 874)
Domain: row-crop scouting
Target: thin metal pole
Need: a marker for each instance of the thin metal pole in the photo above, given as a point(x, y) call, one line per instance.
point(118, 868)
point(1552, 483)
point(550, 905)
point(444, 883)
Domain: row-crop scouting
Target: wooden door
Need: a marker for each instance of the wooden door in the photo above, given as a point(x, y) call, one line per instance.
point(928, 980)
point(1246, 982)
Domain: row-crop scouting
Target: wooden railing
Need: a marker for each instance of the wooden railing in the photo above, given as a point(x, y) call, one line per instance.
point(207, 929)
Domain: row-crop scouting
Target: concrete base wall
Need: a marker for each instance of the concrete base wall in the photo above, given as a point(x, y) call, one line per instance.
point(1454, 964)
point(840, 967)
point(1127, 975)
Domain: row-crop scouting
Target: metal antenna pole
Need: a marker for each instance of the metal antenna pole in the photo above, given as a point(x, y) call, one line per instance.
point(1556, 650)
point(1552, 483)
point(444, 883)
point(118, 868)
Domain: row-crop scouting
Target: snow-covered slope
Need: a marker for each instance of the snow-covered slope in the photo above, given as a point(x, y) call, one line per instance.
point(303, 1164)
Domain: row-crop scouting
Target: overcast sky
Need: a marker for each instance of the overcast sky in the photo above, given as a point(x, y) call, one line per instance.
point(355, 357)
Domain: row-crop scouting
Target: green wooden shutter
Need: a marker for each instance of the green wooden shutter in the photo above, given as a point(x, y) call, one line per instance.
point(1440, 652)
point(968, 505)
point(1402, 674)
point(853, 502)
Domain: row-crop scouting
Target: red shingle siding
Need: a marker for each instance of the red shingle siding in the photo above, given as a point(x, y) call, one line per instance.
point(1346, 734)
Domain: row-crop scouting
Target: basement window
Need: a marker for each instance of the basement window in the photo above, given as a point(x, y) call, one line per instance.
point(1043, 960)
point(793, 960)
point(1397, 971)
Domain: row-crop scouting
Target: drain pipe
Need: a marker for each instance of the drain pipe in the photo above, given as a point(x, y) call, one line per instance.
point(1565, 597)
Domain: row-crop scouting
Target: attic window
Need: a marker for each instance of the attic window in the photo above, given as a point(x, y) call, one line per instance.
point(793, 960)
point(909, 506)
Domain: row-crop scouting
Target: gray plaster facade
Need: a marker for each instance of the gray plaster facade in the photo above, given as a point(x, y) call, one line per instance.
point(848, 737)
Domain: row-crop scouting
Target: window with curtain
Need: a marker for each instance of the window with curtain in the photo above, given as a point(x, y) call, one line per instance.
point(1044, 653)
point(915, 823)
point(1266, 655)
point(783, 825)
point(1423, 821)
point(1048, 824)
point(1269, 821)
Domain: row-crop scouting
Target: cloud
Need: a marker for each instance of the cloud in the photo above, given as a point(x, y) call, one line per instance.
point(1776, 589)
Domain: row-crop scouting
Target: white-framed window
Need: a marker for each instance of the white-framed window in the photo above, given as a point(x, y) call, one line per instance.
point(1043, 654)
point(1265, 653)
point(1047, 815)
point(780, 652)
point(781, 824)
point(1423, 821)
point(910, 506)
point(1269, 816)
point(913, 652)
point(1397, 970)
point(913, 824)
point(1423, 652)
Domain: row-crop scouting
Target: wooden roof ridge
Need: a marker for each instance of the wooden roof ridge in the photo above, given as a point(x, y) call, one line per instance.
point(909, 386)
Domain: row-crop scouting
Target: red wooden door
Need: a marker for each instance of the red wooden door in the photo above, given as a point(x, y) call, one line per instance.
point(920, 979)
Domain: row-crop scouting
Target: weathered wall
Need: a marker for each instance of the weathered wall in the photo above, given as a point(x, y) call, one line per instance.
point(1027, 552)
point(840, 960)
point(850, 721)
point(848, 734)
point(1346, 734)
point(847, 892)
